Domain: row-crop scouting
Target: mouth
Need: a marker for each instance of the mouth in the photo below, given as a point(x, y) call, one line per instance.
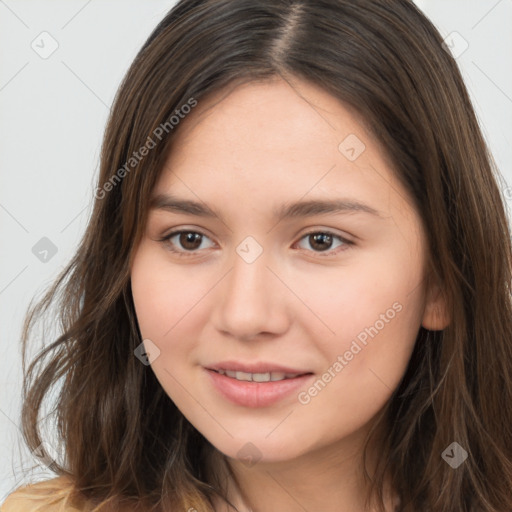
point(257, 388)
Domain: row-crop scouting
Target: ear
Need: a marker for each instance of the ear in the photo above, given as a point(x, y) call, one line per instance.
point(435, 314)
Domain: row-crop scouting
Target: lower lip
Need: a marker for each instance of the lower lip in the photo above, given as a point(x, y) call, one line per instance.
point(256, 394)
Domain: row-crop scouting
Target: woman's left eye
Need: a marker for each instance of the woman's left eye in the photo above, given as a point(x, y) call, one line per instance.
point(190, 241)
point(324, 239)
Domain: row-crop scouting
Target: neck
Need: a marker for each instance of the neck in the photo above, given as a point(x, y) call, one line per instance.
point(322, 479)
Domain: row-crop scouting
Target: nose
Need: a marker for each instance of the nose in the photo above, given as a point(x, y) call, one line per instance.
point(252, 301)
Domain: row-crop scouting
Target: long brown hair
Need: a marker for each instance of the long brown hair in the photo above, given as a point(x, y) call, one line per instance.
point(123, 438)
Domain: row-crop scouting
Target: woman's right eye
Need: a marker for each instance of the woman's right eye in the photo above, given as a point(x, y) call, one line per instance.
point(188, 239)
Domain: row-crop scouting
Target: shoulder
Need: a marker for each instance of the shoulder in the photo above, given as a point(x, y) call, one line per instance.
point(48, 496)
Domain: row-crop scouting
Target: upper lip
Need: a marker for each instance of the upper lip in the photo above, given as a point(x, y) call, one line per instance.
point(259, 367)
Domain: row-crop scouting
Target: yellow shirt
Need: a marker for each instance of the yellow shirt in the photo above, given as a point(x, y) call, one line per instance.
point(48, 496)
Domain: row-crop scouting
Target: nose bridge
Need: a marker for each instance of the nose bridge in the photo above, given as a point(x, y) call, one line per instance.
point(249, 277)
point(248, 298)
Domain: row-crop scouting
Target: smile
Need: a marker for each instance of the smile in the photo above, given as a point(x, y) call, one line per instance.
point(256, 389)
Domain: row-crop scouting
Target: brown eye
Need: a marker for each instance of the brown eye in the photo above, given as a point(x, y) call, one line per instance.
point(187, 241)
point(322, 241)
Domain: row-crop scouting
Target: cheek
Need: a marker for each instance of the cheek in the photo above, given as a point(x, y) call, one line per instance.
point(151, 300)
point(375, 331)
point(371, 312)
point(170, 305)
point(161, 296)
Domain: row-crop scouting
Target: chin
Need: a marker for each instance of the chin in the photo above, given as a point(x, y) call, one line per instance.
point(256, 449)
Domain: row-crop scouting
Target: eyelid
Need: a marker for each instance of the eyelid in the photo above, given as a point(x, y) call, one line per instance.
point(345, 236)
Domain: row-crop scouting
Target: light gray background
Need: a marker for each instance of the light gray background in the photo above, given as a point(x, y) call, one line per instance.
point(53, 113)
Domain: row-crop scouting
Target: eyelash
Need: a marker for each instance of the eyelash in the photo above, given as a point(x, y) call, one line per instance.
point(166, 241)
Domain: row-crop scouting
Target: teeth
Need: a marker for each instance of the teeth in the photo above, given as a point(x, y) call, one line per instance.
point(261, 377)
point(243, 376)
point(258, 377)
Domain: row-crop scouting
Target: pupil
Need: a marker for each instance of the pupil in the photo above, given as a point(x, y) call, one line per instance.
point(187, 238)
point(322, 236)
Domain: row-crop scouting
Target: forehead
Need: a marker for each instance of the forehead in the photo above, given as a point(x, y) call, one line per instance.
point(274, 142)
point(278, 112)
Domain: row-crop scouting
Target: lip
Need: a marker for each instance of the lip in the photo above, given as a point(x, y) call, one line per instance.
point(256, 394)
point(259, 367)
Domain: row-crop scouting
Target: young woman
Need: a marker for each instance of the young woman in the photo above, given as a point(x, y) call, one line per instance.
point(294, 290)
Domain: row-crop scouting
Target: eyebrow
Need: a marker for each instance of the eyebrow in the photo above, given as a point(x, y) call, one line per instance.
point(292, 210)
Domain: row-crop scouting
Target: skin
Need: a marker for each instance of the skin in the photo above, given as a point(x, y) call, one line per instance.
point(245, 152)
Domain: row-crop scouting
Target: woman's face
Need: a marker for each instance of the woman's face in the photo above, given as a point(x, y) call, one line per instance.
point(269, 279)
